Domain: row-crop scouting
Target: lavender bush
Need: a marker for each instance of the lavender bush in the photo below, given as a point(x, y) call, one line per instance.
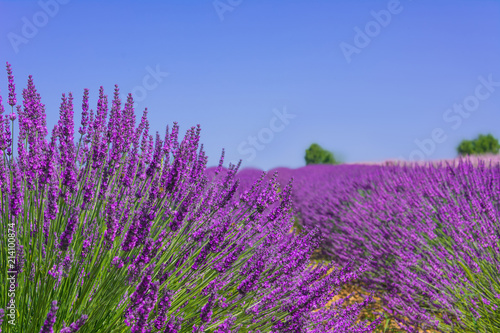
point(456, 265)
point(121, 233)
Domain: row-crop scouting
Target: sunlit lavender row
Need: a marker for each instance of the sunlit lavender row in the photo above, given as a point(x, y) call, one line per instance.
point(430, 229)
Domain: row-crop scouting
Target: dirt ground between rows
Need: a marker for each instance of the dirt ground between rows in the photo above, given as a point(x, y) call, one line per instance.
point(375, 306)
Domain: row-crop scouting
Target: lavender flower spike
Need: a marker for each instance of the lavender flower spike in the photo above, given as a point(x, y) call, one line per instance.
point(74, 327)
point(48, 326)
point(12, 87)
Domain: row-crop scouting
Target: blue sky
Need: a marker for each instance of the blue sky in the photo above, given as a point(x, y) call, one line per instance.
point(368, 80)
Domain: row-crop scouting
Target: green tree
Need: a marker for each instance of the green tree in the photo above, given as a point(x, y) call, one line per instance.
point(317, 155)
point(466, 147)
point(483, 144)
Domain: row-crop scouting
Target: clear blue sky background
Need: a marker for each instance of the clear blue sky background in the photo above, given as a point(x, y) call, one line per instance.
point(229, 68)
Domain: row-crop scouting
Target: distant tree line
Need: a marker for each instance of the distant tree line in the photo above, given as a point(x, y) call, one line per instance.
point(483, 144)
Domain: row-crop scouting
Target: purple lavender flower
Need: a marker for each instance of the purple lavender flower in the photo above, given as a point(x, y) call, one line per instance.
point(206, 310)
point(2, 314)
point(75, 327)
point(12, 87)
point(163, 306)
point(138, 297)
point(67, 235)
point(145, 308)
point(111, 220)
point(4, 181)
point(173, 325)
point(17, 196)
point(226, 325)
point(48, 326)
point(85, 112)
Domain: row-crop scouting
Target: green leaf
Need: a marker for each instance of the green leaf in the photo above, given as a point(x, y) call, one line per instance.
point(467, 271)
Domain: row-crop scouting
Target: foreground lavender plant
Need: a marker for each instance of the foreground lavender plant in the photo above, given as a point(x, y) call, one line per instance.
point(112, 239)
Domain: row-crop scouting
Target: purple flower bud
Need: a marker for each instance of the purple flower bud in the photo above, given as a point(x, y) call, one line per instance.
point(75, 327)
point(17, 196)
point(12, 87)
point(173, 325)
point(206, 310)
point(67, 235)
point(85, 114)
point(2, 314)
point(165, 303)
point(226, 325)
point(111, 220)
point(48, 326)
point(4, 181)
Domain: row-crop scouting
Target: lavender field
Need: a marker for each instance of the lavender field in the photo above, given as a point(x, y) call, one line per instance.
point(428, 231)
point(264, 166)
point(97, 239)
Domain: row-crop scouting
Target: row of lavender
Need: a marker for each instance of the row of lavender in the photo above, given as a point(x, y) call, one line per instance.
point(431, 230)
point(123, 233)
